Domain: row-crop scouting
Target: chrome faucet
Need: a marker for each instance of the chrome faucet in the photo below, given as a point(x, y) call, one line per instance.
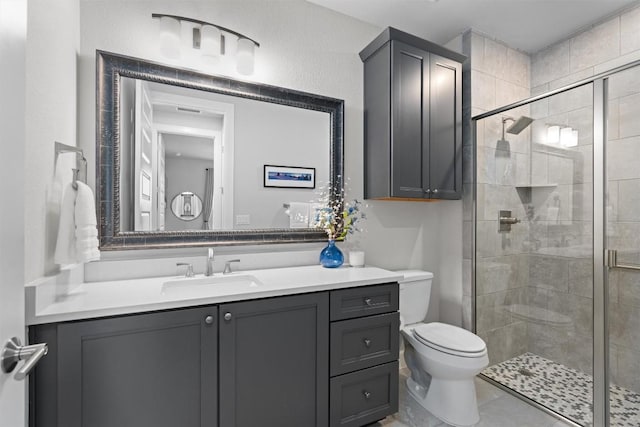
point(209, 270)
point(227, 266)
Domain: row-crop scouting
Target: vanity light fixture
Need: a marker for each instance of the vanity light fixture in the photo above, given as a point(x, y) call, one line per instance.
point(212, 41)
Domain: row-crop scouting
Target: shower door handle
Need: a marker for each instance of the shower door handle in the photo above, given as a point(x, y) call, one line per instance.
point(611, 260)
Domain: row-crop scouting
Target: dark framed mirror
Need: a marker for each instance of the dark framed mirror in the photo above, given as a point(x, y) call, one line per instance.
point(229, 130)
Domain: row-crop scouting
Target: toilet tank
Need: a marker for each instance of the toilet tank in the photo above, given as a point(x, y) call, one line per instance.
point(415, 293)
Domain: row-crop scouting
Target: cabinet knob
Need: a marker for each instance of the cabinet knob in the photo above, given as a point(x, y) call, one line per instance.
point(367, 342)
point(435, 191)
point(227, 316)
point(368, 302)
point(427, 191)
point(366, 394)
point(208, 320)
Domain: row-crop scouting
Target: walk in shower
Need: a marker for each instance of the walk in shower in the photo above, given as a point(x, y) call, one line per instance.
point(557, 241)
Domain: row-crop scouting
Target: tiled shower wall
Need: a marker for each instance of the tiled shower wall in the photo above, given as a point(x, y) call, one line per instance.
point(611, 43)
point(496, 75)
point(560, 287)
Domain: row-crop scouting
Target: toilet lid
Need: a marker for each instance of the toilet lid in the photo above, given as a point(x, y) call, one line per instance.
point(450, 339)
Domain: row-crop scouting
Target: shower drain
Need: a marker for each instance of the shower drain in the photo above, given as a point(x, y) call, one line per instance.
point(526, 372)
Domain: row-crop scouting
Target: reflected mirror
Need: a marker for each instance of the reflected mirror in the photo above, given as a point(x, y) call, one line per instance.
point(187, 206)
point(171, 140)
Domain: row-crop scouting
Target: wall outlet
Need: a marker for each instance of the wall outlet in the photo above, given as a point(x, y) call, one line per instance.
point(243, 219)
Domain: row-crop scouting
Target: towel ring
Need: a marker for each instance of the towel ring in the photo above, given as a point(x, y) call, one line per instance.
point(80, 171)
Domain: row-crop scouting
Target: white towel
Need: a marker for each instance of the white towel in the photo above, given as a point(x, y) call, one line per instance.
point(77, 234)
point(298, 215)
point(85, 222)
point(66, 243)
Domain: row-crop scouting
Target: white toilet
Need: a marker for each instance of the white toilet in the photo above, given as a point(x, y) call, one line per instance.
point(443, 359)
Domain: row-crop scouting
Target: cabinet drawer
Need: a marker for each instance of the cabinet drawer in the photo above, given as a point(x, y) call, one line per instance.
point(364, 342)
point(364, 301)
point(364, 396)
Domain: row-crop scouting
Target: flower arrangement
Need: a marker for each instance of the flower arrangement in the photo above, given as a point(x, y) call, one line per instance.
point(337, 218)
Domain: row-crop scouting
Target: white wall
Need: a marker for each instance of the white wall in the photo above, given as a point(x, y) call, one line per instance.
point(277, 135)
point(52, 46)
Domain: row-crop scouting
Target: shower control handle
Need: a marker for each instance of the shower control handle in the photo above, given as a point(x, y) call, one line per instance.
point(506, 220)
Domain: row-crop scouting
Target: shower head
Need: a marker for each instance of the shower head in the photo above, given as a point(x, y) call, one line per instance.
point(518, 125)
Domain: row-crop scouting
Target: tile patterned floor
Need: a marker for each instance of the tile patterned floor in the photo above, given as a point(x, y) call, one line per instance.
point(563, 390)
point(497, 409)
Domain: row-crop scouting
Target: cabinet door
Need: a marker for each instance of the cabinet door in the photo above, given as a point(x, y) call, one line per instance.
point(410, 121)
point(154, 369)
point(274, 368)
point(445, 138)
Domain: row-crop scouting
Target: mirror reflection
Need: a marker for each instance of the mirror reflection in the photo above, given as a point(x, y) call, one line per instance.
point(187, 206)
point(177, 141)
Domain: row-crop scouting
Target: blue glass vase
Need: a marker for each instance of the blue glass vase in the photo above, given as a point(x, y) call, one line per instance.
point(331, 256)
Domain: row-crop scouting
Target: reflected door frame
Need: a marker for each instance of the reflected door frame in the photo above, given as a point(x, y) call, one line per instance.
point(223, 150)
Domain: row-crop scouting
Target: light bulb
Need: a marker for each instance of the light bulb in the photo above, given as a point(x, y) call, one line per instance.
point(553, 134)
point(244, 57)
point(210, 43)
point(170, 37)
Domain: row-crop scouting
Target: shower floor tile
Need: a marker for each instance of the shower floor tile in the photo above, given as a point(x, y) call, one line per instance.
point(563, 390)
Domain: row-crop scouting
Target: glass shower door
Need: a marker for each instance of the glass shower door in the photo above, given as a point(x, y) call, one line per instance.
point(534, 250)
point(622, 238)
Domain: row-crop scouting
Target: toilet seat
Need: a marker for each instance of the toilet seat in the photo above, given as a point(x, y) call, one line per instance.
point(450, 339)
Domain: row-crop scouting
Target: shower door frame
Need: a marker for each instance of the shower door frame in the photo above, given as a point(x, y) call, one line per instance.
point(601, 413)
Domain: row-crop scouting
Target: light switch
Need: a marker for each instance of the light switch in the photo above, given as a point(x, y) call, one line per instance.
point(243, 219)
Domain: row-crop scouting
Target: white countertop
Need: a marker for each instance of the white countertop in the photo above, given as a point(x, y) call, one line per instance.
point(98, 299)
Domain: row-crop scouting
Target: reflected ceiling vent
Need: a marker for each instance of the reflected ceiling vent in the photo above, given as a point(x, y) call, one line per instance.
point(188, 110)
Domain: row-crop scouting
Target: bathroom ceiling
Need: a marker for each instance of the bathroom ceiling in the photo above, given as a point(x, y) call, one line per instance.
point(528, 25)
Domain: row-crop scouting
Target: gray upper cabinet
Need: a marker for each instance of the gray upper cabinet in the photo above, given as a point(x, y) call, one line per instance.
point(413, 119)
point(274, 362)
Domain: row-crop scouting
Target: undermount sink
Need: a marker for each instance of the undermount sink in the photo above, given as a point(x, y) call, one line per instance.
point(203, 282)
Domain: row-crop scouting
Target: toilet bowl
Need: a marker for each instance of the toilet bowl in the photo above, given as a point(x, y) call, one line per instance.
point(443, 359)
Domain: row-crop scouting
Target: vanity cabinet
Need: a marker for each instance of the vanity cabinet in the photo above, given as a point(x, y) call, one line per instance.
point(274, 362)
point(365, 338)
point(412, 119)
point(315, 359)
point(157, 369)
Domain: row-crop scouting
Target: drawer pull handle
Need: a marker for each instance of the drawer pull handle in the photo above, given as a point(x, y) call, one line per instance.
point(368, 302)
point(367, 342)
point(366, 394)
